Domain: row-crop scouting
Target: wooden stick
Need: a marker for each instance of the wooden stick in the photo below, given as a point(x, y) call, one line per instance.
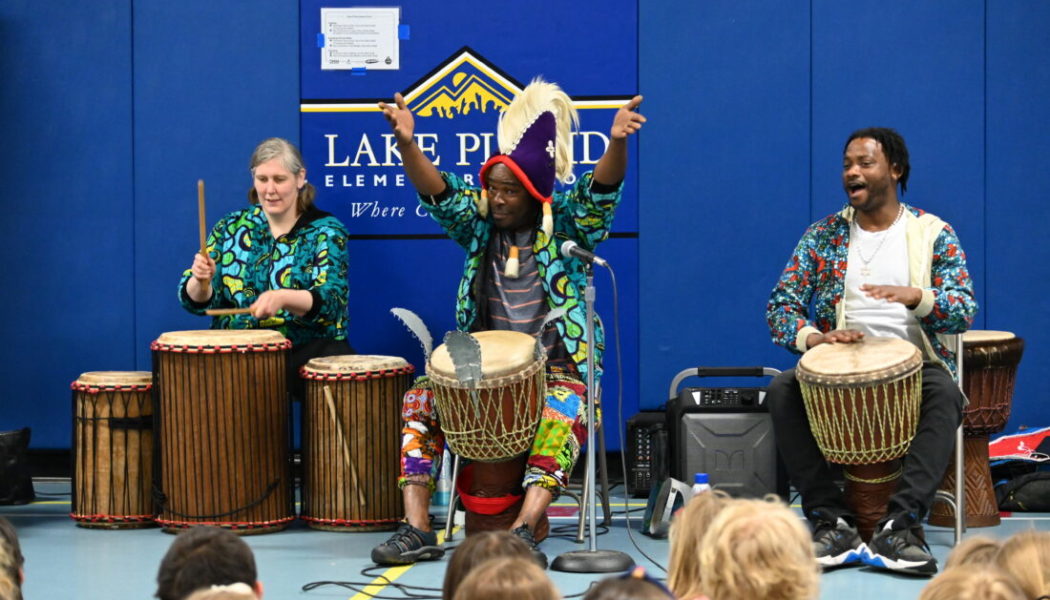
point(342, 442)
point(201, 217)
point(215, 312)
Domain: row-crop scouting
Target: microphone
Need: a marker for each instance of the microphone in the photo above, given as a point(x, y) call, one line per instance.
point(570, 249)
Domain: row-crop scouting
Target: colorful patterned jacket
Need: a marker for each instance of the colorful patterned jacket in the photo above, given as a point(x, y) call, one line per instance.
point(249, 261)
point(816, 275)
point(581, 214)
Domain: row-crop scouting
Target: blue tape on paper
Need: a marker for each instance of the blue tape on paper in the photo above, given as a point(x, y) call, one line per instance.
point(320, 40)
point(404, 32)
point(358, 71)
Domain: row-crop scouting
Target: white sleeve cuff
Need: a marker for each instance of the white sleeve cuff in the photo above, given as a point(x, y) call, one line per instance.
point(800, 339)
point(925, 305)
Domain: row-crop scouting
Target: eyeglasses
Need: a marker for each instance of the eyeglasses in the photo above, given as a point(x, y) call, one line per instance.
point(640, 573)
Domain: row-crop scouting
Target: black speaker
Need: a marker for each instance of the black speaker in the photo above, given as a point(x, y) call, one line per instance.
point(647, 449)
point(726, 433)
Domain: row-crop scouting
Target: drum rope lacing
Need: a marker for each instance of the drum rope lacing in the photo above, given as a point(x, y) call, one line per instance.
point(221, 349)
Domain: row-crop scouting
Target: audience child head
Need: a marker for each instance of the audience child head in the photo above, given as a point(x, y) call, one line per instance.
point(201, 557)
point(11, 561)
point(1026, 557)
point(759, 550)
point(973, 551)
point(687, 533)
point(507, 578)
point(632, 585)
point(974, 582)
point(476, 549)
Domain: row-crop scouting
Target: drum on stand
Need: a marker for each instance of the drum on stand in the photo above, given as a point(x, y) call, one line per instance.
point(492, 425)
point(990, 360)
point(351, 438)
point(223, 430)
point(863, 401)
point(113, 450)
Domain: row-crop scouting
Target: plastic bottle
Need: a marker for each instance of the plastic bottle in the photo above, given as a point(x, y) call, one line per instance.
point(444, 483)
point(700, 483)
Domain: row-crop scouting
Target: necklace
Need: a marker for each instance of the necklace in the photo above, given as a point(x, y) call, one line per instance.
point(865, 270)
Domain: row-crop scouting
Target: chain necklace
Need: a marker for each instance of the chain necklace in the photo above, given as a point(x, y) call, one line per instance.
point(865, 270)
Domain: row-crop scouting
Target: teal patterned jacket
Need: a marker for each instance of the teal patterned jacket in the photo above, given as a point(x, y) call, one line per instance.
point(815, 277)
point(249, 261)
point(580, 214)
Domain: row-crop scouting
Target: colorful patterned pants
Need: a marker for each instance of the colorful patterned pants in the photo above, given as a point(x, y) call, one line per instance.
point(560, 434)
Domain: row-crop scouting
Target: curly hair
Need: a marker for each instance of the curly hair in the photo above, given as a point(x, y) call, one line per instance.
point(1026, 556)
point(758, 549)
point(892, 146)
point(979, 582)
point(973, 551)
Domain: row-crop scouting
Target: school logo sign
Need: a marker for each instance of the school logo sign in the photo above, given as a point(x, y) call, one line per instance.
point(353, 160)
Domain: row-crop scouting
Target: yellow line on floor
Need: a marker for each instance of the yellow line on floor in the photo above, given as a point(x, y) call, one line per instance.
point(386, 577)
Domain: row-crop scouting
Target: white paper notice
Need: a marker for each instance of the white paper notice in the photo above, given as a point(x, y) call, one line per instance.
point(360, 37)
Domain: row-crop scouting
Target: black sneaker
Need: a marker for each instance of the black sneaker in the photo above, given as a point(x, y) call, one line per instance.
point(837, 544)
point(901, 550)
point(407, 546)
point(526, 536)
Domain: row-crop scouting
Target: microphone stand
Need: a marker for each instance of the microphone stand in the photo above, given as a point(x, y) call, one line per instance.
point(591, 560)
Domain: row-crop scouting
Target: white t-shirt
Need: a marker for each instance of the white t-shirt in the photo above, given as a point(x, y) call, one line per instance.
point(879, 258)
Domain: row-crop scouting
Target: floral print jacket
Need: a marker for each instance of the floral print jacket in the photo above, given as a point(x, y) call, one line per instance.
point(815, 277)
point(249, 261)
point(584, 214)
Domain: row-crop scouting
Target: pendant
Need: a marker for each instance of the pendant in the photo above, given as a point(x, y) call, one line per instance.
point(865, 271)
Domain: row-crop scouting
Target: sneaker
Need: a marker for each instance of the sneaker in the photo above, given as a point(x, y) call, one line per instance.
point(901, 550)
point(837, 544)
point(526, 536)
point(406, 546)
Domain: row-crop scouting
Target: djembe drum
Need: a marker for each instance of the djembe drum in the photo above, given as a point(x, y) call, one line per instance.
point(351, 437)
point(990, 360)
point(223, 430)
point(863, 400)
point(113, 450)
point(492, 424)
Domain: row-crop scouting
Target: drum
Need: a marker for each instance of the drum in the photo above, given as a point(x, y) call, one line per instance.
point(863, 401)
point(493, 425)
point(113, 450)
point(223, 430)
point(351, 438)
point(990, 360)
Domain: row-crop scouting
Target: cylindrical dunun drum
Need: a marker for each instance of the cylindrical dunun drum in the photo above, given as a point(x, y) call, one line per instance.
point(351, 437)
point(223, 430)
point(990, 360)
point(493, 425)
point(863, 403)
point(113, 449)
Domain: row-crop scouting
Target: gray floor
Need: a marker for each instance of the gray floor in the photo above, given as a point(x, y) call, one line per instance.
point(64, 561)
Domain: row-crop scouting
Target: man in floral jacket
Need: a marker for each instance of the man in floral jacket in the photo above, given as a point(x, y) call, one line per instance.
point(876, 268)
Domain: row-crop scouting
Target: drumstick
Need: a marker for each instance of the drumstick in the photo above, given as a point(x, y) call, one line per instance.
point(200, 214)
point(217, 312)
point(342, 441)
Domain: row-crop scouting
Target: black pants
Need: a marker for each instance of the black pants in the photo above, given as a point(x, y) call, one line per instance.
point(301, 354)
point(924, 464)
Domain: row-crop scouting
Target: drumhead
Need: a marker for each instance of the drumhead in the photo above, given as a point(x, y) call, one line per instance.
point(351, 364)
point(978, 336)
point(115, 378)
point(869, 361)
point(502, 353)
point(221, 337)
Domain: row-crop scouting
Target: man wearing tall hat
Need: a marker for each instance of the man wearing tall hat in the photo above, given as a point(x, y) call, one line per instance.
point(511, 229)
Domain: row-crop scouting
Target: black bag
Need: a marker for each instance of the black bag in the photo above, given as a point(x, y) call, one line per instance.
point(1027, 493)
point(16, 482)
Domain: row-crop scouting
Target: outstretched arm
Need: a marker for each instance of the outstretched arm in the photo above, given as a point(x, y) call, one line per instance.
point(420, 170)
point(612, 166)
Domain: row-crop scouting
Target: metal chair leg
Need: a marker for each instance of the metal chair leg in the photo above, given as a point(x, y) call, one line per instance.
point(453, 499)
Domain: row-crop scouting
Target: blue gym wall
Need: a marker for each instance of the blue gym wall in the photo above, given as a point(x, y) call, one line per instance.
point(111, 112)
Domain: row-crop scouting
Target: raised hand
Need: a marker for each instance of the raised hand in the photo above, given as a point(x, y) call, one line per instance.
point(400, 119)
point(627, 120)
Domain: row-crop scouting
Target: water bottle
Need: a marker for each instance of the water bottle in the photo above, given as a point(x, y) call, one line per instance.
point(443, 489)
point(700, 483)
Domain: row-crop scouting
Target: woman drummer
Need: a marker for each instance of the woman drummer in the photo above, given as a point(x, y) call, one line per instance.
point(281, 258)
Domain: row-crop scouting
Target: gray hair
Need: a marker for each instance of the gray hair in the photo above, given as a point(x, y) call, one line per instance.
point(292, 160)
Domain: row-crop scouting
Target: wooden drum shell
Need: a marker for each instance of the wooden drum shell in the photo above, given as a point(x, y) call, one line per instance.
point(351, 462)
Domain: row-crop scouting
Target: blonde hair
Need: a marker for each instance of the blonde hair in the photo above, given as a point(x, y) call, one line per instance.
point(1026, 556)
point(687, 533)
point(508, 578)
point(10, 562)
point(980, 582)
point(977, 550)
point(758, 549)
